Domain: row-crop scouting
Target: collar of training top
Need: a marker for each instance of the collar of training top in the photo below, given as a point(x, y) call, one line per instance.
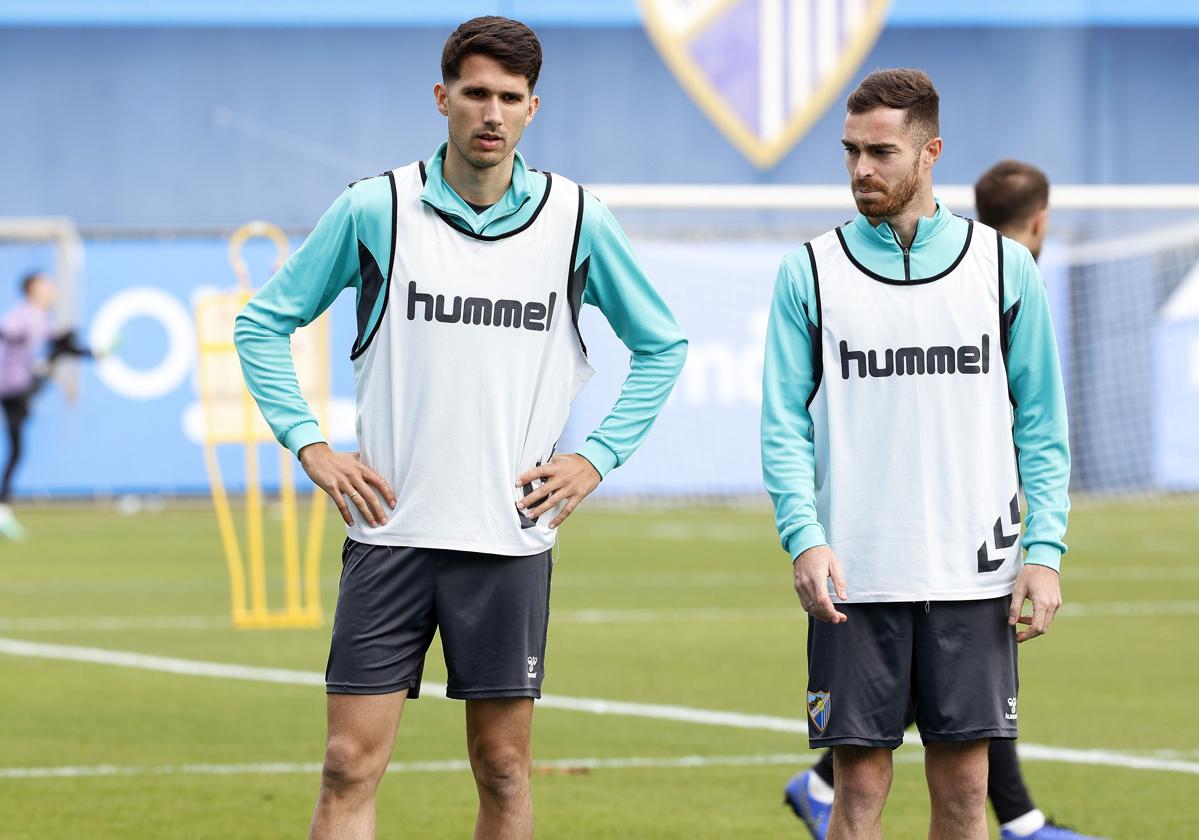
point(926, 228)
point(441, 196)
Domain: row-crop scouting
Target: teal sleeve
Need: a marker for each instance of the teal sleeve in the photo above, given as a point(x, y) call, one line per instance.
point(1041, 431)
point(788, 380)
point(306, 285)
point(617, 285)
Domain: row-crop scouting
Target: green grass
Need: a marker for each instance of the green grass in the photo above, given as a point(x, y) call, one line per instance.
point(725, 633)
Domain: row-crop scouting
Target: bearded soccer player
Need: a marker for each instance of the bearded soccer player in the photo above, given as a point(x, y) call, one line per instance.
point(1013, 198)
point(912, 391)
point(469, 270)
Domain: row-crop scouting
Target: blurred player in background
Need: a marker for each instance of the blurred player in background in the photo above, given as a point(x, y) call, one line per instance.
point(897, 347)
point(29, 347)
point(1013, 198)
point(470, 269)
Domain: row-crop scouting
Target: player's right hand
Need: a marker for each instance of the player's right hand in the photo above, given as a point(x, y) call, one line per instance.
point(812, 570)
point(347, 480)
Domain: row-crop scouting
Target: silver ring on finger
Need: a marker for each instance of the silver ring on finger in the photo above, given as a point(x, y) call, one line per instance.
point(352, 495)
point(811, 604)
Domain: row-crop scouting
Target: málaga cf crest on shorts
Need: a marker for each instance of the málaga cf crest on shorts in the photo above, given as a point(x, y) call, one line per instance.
point(819, 703)
point(763, 70)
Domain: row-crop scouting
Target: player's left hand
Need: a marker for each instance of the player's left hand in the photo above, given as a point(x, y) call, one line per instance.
point(1042, 586)
point(569, 478)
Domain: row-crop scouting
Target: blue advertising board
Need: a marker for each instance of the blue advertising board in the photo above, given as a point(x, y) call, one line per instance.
point(135, 426)
point(706, 439)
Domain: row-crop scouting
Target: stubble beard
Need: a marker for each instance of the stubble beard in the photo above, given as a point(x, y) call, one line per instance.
point(480, 160)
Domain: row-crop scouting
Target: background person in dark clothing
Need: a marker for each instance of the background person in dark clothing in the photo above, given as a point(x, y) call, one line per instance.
point(29, 347)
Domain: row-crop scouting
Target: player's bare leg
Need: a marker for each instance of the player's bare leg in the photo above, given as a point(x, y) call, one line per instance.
point(957, 786)
point(362, 733)
point(499, 741)
point(861, 781)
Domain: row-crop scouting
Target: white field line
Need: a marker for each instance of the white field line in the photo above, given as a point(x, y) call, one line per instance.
point(1074, 609)
point(165, 664)
point(448, 766)
point(1108, 758)
point(1028, 752)
point(680, 714)
point(1139, 574)
point(191, 667)
point(578, 579)
point(115, 622)
point(1102, 609)
point(706, 531)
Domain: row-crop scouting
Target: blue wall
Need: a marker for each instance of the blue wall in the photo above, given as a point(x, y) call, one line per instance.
point(177, 127)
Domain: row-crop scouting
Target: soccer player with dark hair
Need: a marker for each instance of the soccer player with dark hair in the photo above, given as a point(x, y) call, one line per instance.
point(911, 393)
point(469, 270)
point(1013, 198)
point(29, 347)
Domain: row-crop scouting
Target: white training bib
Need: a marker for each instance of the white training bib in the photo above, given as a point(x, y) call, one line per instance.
point(468, 379)
point(916, 478)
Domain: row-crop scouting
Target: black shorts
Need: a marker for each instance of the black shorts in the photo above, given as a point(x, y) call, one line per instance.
point(492, 612)
point(953, 662)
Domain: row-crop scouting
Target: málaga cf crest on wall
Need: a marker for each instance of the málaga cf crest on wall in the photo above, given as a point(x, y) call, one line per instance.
point(764, 70)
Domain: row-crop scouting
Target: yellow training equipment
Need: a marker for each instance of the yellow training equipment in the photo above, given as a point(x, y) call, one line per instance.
point(231, 417)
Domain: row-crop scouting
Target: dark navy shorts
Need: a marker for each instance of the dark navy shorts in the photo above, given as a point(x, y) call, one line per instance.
point(492, 612)
point(952, 662)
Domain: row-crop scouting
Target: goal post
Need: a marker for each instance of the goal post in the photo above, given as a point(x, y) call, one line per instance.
point(64, 246)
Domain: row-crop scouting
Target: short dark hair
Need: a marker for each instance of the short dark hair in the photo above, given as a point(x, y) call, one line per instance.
point(28, 280)
point(904, 89)
point(1010, 192)
point(508, 41)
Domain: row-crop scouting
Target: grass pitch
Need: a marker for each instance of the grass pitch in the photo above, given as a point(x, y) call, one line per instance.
point(690, 608)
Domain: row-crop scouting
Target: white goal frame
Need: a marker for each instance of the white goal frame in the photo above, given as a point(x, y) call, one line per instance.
point(68, 254)
point(826, 197)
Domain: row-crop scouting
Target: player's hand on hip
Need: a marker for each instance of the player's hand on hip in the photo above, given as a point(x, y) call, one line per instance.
point(1042, 586)
point(812, 570)
point(348, 481)
point(565, 478)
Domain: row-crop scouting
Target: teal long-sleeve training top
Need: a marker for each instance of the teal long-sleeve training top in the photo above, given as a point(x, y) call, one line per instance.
point(356, 232)
point(1034, 379)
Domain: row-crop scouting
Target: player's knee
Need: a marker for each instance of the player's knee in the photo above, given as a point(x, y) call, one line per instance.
point(349, 766)
point(862, 784)
point(960, 795)
point(968, 794)
point(501, 771)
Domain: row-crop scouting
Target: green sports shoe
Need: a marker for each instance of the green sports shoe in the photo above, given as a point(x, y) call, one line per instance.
point(9, 526)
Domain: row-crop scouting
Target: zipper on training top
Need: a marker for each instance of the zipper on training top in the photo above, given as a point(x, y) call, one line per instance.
point(907, 263)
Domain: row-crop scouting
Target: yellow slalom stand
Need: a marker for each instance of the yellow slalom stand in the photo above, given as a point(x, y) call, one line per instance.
point(232, 418)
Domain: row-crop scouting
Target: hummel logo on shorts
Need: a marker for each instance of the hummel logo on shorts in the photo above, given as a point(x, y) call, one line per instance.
point(532, 660)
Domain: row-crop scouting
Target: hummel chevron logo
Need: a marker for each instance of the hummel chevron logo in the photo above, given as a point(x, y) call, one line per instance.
point(1002, 540)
